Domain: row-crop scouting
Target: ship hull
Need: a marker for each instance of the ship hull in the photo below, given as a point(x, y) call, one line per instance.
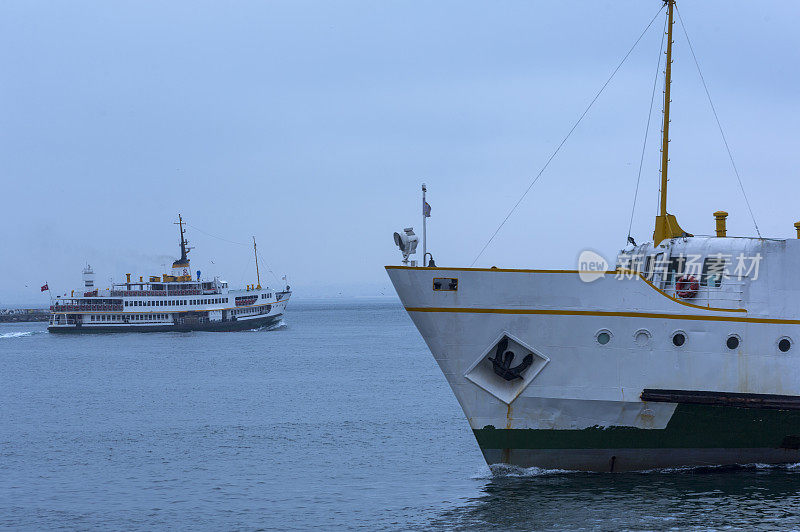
point(209, 326)
point(581, 405)
point(696, 435)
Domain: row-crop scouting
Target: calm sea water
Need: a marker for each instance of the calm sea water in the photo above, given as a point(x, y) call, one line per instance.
point(339, 419)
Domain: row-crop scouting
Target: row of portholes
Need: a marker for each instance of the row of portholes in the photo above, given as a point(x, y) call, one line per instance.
point(642, 338)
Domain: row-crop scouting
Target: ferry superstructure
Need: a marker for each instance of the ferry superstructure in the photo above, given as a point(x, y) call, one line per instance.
point(168, 302)
point(684, 354)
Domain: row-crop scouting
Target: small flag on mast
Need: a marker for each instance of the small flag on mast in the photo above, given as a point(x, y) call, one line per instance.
point(45, 288)
point(426, 210)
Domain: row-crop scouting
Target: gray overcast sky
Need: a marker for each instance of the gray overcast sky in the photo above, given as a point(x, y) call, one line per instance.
point(312, 124)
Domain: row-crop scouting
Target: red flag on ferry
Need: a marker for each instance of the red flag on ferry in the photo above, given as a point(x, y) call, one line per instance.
point(45, 288)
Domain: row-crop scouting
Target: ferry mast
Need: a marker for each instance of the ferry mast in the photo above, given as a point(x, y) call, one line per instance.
point(666, 224)
point(183, 262)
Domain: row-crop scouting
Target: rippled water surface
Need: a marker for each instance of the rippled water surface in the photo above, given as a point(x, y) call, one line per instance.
point(339, 419)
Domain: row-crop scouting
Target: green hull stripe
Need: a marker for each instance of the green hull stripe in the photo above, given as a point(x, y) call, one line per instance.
point(691, 427)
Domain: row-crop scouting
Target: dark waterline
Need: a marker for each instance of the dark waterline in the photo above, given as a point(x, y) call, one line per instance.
point(340, 419)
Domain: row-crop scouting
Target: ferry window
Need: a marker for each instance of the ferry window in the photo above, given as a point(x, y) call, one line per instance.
point(675, 269)
point(648, 268)
point(603, 337)
point(445, 284)
point(679, 339)
point(732, 342)
point(784, 345)
point(713, 271)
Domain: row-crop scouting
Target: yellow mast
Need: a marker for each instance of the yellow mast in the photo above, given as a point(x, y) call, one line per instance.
point(258, 275)
point(666, 224)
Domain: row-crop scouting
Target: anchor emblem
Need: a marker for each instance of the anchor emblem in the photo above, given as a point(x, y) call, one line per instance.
point(503, 359)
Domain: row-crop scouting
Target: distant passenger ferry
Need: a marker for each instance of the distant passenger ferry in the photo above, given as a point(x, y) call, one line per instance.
point(175, 302)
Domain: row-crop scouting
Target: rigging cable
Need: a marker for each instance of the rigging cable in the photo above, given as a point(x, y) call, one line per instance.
point(269, 269)
point(215, 236)
point(719, 124)
point(564, 140)
point(647, 130)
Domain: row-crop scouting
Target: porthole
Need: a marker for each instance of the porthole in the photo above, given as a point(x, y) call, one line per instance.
point(603, 337)
point(679, 338)
point(642, 337)
point(784, 344)
point(733, 342)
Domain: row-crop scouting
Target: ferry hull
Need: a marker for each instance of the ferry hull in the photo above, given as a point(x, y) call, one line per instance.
point(696, 435)
point(214, 326)
point(622, 460)
point(580, 404)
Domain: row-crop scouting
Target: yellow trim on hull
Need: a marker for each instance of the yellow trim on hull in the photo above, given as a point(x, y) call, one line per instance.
point(596, 313)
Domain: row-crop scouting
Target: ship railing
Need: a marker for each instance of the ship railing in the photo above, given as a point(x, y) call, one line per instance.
point(130, 293)
point(184, 292)
point(63, 319)
point(729, 294)
point(161, 293)
point(85, 308)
